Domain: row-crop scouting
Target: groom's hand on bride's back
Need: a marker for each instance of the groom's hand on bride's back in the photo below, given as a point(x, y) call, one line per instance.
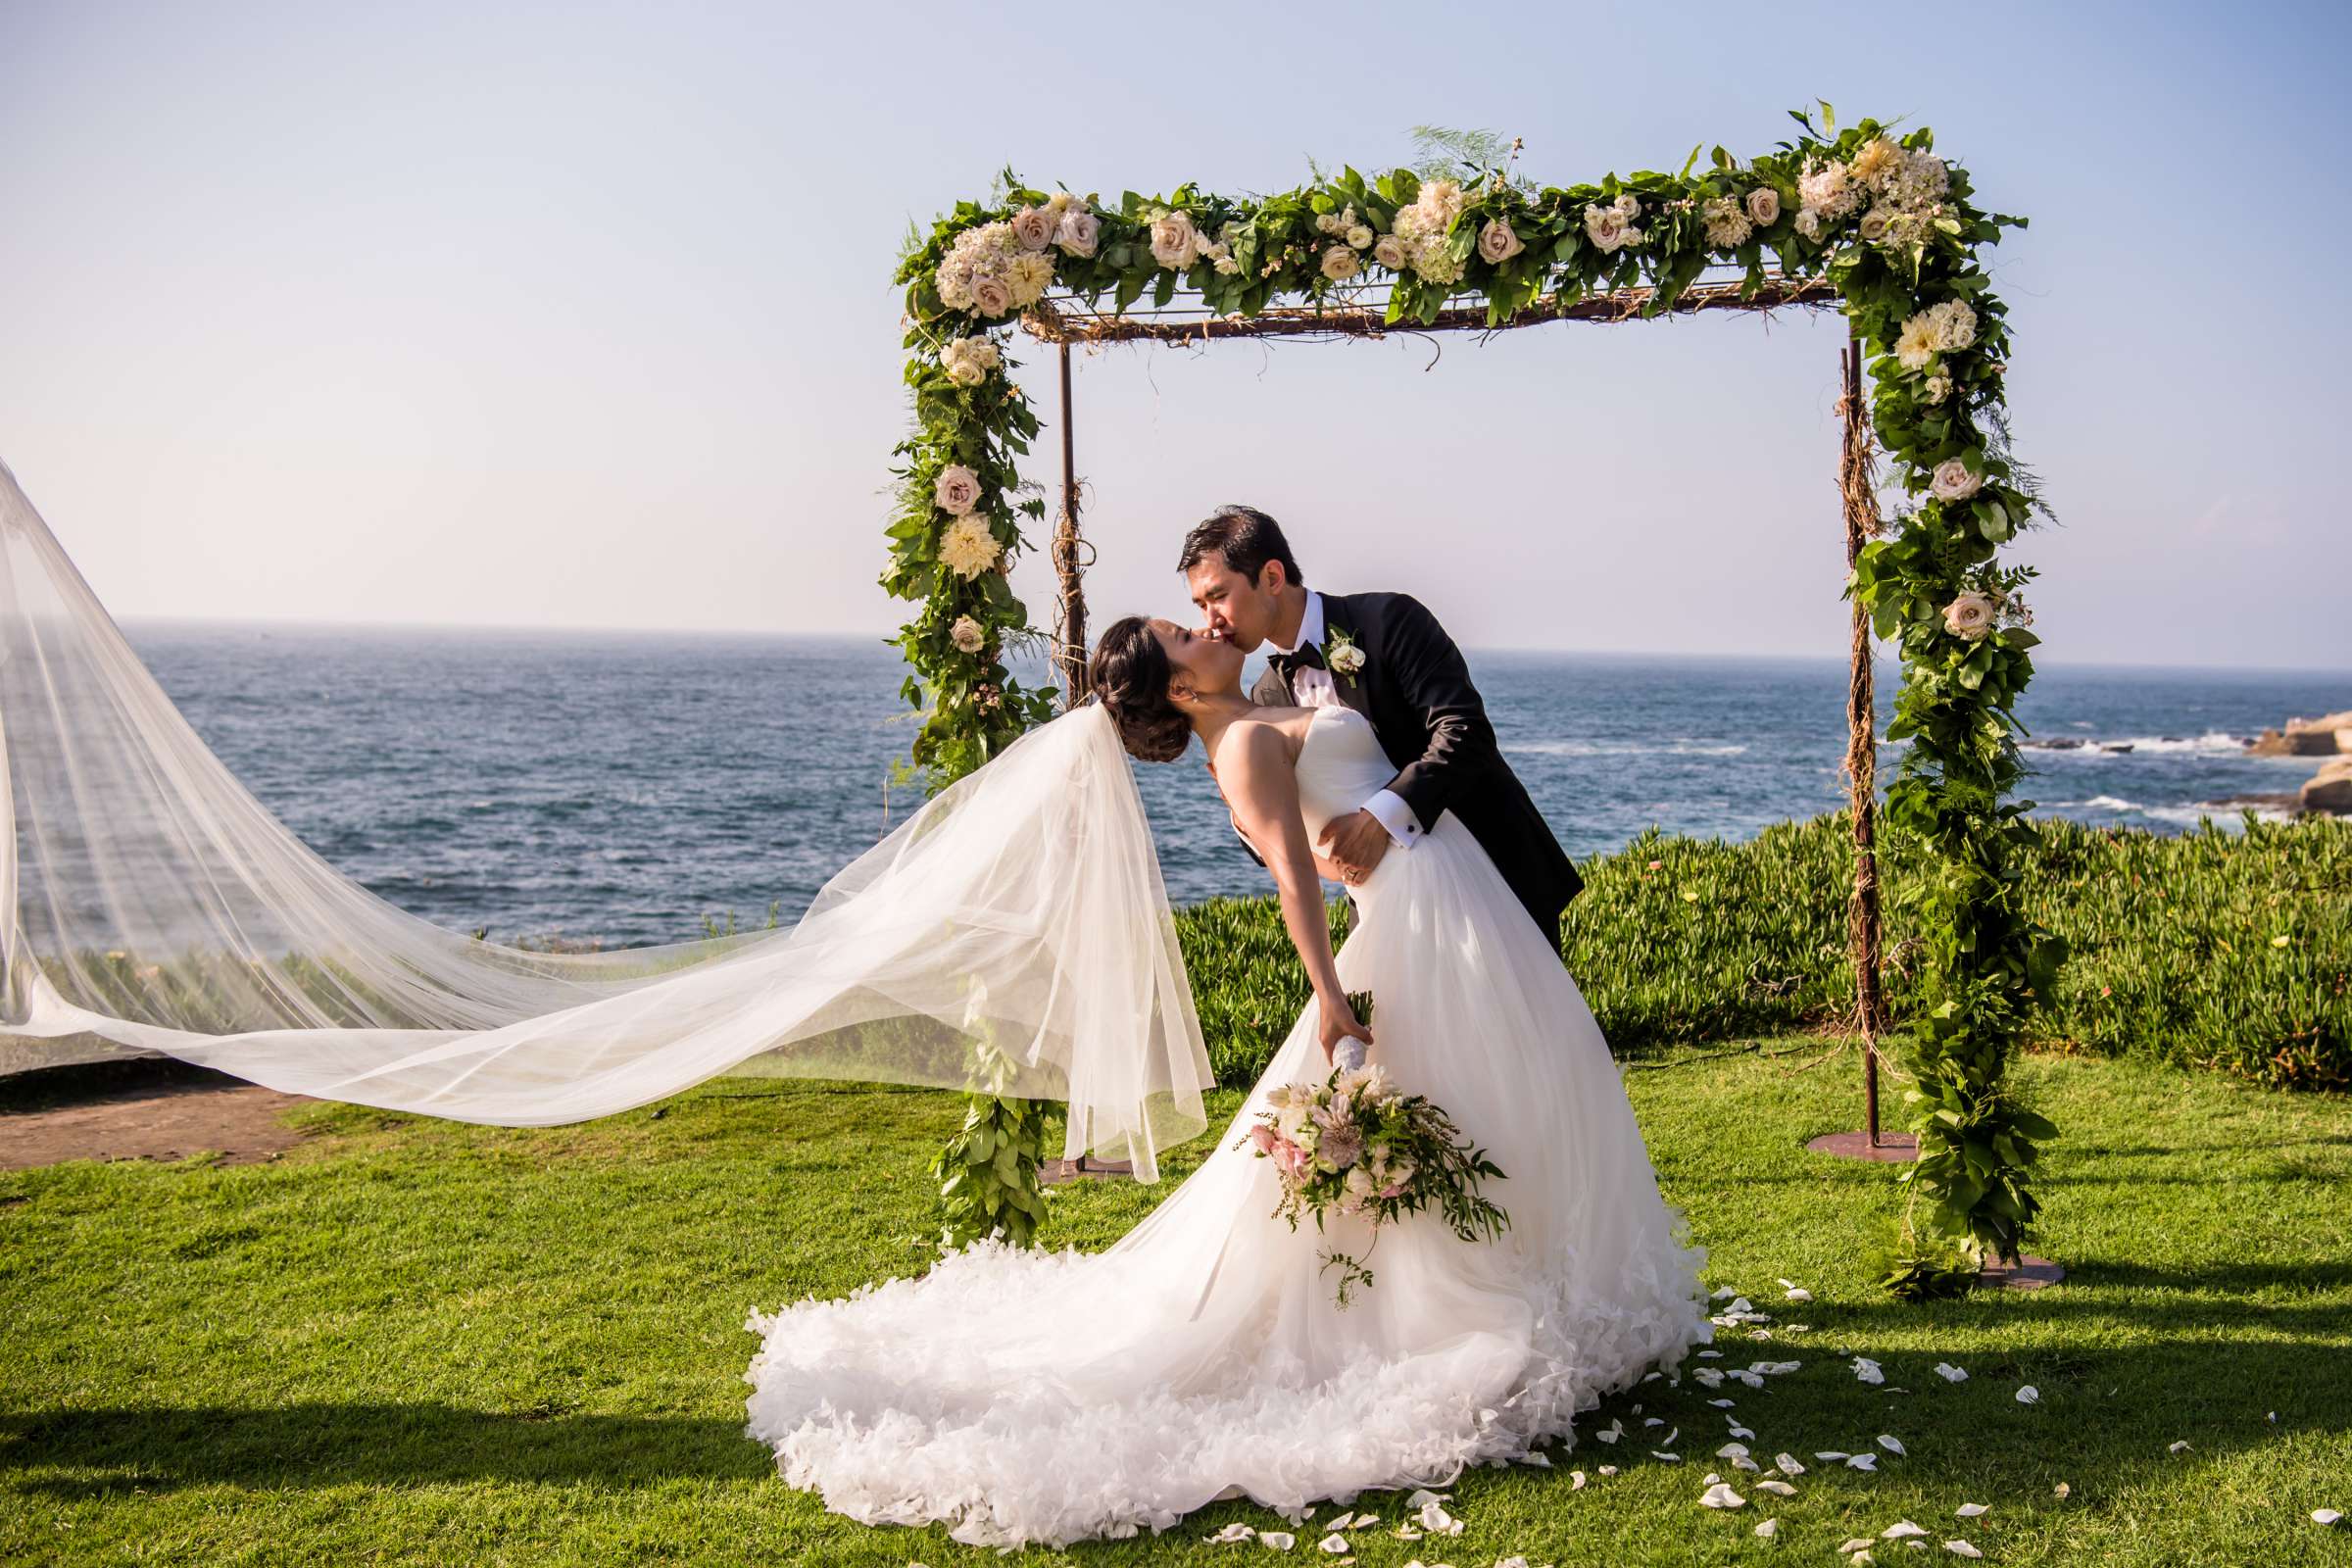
point(1354, 842)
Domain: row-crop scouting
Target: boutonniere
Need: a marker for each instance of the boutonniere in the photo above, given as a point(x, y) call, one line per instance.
point(1341, 656)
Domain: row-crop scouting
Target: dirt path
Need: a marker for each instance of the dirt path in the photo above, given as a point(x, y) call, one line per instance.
point(140, 1109)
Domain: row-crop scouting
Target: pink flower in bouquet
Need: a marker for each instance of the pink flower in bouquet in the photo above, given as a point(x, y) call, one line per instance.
point(1263, 1136)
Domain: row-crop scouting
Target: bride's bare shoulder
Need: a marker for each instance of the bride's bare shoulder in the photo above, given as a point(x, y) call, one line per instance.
point(1268, 737)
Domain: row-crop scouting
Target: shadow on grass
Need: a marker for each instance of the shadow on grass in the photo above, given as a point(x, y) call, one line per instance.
point(97, 1452)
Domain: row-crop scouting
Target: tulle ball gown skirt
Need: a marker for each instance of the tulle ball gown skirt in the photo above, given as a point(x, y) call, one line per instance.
point(1037, 1396)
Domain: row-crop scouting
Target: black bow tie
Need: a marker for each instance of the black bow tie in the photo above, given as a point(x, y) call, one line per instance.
point(1304, 657)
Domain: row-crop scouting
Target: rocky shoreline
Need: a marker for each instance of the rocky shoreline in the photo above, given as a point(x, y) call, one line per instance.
point(2328, 792)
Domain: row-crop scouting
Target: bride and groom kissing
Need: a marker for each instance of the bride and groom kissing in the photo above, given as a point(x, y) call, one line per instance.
point(1022, 1396)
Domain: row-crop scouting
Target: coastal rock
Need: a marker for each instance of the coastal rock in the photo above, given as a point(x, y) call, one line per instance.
point(2329, 790)
point(2326, 736)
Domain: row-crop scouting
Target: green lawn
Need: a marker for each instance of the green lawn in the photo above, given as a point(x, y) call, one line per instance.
point(414, 1341)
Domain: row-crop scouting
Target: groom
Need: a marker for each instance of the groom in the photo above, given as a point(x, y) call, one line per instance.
point(1386, 657)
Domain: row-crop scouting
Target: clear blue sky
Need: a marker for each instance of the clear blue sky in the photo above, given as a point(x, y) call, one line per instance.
point(580, 314)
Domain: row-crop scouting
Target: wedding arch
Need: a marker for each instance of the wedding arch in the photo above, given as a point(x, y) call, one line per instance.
point(1864, 220)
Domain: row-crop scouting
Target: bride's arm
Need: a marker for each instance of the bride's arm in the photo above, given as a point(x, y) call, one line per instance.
point(1262, 789)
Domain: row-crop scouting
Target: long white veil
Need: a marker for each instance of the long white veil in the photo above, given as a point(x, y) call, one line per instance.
point(148, 903)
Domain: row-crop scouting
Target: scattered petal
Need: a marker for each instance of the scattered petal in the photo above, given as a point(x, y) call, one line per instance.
point(1732, 1450)
point(1800, 1293)
point(2061, 1491)
point(2181, 1446)
point(1743, 1462)
point(1538, 1457)
point(2029, 1394)
point(1279, 1540)
point(1972, 1511)
point(1669, 1458)
point(1857, 1544)
point(1656, 1421)
point(1335, 1544)
point(1723, 1404)
point(1961, 1549)
point(1405, 1533)
point(1709, 1479)
point(1739, 1431)
point(2324, 1516)
point(1724, 1294)
point(1616, 1430)
point(1232, 1534)
point(1889, 1443)
point(1779, 1488)
point(1769, 1528)
point(1950, 1373)
point(1720, 1496)
point(1789, 1465)
point(1830, 1456)
point(1862, 1462)
point(1901, 1530)
point(1867, 1370)
point(1710, 1355)
point(1438, 1522)
point(1606, 1470)
point(1576, 1481)
point(1424, 1497)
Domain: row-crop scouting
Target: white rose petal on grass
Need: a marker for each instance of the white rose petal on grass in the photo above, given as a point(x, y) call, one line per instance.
point(1422, 1497)
point(1830, 1455)
point(1950, 1373)
point(2181, 1446)
point(2325, 1516)
point(1723, 1404)
point(1720, 1496)
point(1787, 1463)
point(1335, 1544)
point(1779, 1488)
point(1961, 1549)
point(1972, 1511)
point(1889, 1443)
point(1576, 1481)
point(1669, 1458)
point(1769, 1528)
point(2029, 1394)
point(1606, 1470)
point(1279, 1540)
point(1438, 1522)
point(1799, 1294)
point(1862, 1462)
point(1853, 1545)
point(1867, 1371)
point(1901, 1530)
point(1232, 1534)
point(1722, 1294)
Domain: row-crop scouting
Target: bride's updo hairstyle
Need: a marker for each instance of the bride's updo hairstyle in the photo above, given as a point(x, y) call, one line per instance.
point(1130, 673)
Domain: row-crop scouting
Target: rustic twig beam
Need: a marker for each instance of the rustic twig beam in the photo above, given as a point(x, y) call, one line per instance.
point(1067, 325)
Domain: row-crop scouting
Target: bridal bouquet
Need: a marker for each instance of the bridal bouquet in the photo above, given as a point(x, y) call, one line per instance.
point(1356, 1145)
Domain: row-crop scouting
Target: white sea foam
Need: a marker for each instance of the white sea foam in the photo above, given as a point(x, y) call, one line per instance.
point(2213, 743)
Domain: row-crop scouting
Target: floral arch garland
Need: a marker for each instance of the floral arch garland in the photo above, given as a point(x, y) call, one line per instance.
point(1875, 217)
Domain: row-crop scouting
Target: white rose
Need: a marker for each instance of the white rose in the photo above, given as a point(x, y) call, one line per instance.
point(1808, 222)
point(1605, 228)
point(1175, 243)
point(1970, 615)
point(1360, 236)
point(1338, 263)
point(1955, 325)
point(991, 296)
point(1874, 225)
point(1953, 482)
point(1390, 253)
point(1629, 206)
point(1764, 207)
point(967, 635)
point(1078, 234)
point(957, 490)
point(968, 360)
point(1034, 228)
point(1498, 242)
point(1939, 388)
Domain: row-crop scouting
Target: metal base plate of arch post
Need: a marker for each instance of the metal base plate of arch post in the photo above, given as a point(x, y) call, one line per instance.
point(1857, 1145)
point(1053, 1172)
point(2028, 1273)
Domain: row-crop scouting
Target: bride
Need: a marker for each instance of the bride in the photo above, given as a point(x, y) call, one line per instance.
point(1031, 1397)
point(1015, 926)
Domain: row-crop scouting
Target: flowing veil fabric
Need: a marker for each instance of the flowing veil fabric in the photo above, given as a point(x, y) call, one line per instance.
point(1016, 924)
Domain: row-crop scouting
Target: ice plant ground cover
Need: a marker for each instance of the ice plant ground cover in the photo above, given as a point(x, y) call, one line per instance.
point(410, 1342)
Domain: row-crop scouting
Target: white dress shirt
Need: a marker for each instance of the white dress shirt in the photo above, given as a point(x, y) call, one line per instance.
point(1311, 687)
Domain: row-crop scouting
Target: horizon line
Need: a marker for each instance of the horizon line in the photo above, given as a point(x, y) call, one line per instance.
point(878, 641)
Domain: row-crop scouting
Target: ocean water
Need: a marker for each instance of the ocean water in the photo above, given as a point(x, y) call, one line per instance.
point(624, 787)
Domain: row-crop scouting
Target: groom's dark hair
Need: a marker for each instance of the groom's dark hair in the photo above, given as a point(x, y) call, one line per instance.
point(1246, 538)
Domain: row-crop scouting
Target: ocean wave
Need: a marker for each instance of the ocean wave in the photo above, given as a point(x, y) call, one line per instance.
point(2213, 743)
point(1679, 747)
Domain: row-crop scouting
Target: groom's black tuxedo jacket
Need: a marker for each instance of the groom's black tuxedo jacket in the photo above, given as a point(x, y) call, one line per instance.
point(1416, 691)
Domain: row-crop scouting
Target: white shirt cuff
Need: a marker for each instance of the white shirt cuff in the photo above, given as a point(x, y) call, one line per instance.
point(1388, 807)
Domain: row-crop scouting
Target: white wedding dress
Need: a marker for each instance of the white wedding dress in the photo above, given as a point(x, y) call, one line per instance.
point(1048, 1396)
